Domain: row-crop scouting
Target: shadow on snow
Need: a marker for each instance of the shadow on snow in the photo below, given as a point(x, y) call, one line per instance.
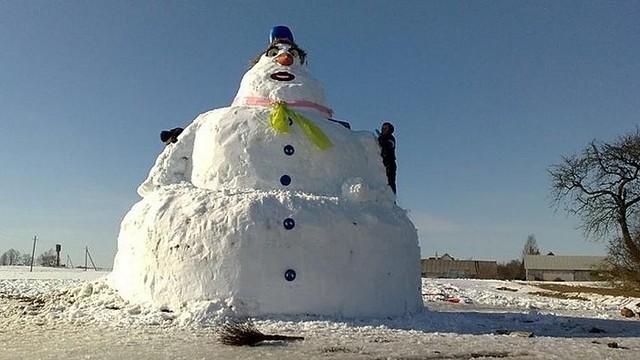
point(464, 322)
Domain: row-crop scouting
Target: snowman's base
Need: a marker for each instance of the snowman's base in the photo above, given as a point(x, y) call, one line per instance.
point(269, 252)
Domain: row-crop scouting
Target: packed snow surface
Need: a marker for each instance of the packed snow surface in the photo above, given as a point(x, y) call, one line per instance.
point(63, 314)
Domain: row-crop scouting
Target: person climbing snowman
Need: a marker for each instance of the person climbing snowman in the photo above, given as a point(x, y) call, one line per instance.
point(170, 136)
point(387, 143)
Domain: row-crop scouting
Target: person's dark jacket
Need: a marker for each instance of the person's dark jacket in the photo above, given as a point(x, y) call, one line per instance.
point(387, 148)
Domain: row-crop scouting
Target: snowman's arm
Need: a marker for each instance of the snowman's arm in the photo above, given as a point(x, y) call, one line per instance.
point(173, 165)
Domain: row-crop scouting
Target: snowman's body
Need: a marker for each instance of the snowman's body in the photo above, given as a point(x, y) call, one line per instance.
point(266, 222)
point(236, 147)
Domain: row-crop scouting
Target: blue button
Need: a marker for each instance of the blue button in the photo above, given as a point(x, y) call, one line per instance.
point(285, 180)
point(289, 150)
point(290, 275)
point(289, 223)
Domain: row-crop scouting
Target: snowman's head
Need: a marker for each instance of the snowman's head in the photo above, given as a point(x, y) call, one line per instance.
point(282, 47)
point(280, 73)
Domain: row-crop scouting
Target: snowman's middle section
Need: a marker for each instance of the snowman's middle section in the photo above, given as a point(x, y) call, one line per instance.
point(237, 148)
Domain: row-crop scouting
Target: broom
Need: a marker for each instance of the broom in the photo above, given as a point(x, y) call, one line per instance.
point(241, 334)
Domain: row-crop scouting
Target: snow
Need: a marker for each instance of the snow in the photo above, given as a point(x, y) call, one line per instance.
point(68, 313)
point(219, 229)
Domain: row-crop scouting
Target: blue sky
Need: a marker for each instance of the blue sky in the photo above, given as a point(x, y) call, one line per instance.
point(485, 95)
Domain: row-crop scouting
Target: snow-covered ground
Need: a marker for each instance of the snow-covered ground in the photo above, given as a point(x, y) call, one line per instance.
point(73, 314)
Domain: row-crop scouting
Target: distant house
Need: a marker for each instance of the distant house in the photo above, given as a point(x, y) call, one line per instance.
point(561, 268)
point(448, 267)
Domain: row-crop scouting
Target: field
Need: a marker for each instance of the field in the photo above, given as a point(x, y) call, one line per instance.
point(73, 314)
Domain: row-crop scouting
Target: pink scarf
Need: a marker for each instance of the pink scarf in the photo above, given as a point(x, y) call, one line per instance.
point(260, 101)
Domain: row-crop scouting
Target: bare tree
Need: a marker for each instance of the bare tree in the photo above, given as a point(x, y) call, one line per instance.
point(531, 246)
point(10, 257)
point(512, 270)
point(47, 258)
point(25, 259)
point(601, 186)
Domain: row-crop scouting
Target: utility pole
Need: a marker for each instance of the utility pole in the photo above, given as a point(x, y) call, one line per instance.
point(33, 252)
point(88, 256)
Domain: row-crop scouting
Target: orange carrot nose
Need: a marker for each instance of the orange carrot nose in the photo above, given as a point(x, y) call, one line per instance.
point(285, 59)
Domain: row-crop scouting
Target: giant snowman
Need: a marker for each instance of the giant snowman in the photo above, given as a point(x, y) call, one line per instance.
point(269, 207)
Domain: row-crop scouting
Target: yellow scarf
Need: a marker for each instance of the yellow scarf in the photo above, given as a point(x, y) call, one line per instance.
point(279, 119)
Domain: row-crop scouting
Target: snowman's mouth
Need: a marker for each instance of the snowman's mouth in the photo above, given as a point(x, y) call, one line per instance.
point(282, 76)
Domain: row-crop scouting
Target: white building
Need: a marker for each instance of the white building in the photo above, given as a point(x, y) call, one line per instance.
point(561, 268)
